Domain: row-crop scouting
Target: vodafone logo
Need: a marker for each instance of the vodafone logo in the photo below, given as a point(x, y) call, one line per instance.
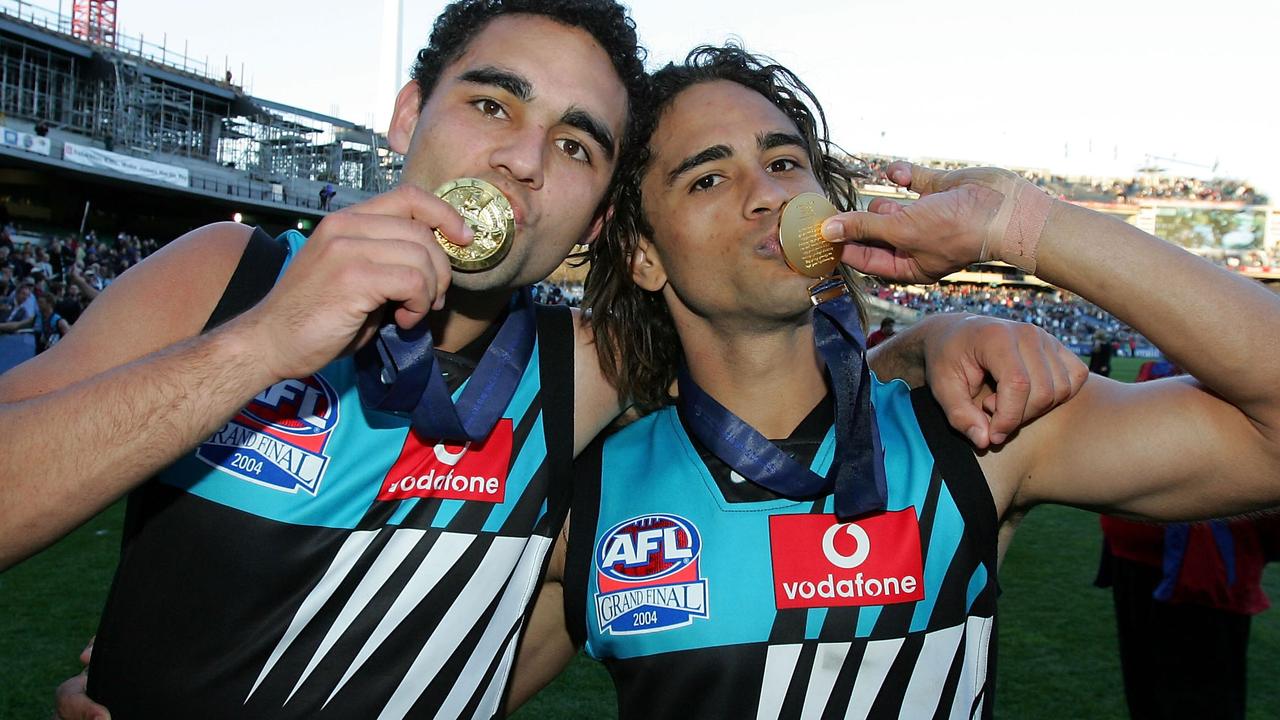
point(852, 560)
point(819, 562)
point(471, 471)
point(444, 455)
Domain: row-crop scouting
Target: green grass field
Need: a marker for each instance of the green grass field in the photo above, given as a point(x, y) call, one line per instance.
point(1056, 639)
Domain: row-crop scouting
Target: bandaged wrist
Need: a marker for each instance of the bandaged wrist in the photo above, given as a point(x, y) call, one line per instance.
point(1027, 213)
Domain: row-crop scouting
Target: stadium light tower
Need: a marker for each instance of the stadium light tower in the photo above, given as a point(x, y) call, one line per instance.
point(95, 21)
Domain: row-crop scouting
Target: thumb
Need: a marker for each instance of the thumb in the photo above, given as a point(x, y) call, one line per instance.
point(858, 226)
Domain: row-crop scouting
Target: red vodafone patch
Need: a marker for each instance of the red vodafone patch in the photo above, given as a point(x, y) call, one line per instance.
point(819, 562)
point(474, 471)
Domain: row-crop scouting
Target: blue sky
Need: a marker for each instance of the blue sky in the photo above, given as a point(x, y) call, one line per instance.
point(1084, 86)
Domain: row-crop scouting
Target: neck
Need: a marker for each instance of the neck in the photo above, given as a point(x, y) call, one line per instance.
point(466, 315)
point(771, 378)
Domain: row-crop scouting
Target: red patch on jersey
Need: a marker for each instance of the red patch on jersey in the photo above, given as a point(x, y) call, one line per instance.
point(431, 469)
point(818, 562)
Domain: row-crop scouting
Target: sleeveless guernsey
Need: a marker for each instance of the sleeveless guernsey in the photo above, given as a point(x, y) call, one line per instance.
point(315, 559)
point(705, 596)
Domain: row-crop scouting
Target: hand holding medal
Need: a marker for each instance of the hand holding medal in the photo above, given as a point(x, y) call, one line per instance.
point(398, 372)
point(488, 213)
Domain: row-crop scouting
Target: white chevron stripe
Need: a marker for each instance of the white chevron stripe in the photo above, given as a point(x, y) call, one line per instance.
point(461, 617)
point(440, 559)
point(876, 661)
point(493, 694)
point(779, 667)
point(524, 580)
point(397, 548)
point(929, 678)
point(826, 667)
point(973, 675)
point(343, 561)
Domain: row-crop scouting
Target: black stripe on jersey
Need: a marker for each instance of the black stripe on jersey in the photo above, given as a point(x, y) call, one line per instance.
point(391, 660)
point(895, 620)
point(953, 457)
point(698, 690)
point(584, 519)
point(788, 626)
point(378, 514)
point(439, 688)
point(253, 278)
point(842, 690)
point(893, 692)
point(801, 676)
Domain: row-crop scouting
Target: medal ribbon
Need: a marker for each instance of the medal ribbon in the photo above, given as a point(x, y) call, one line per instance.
point(398, 373)
point(857, 470)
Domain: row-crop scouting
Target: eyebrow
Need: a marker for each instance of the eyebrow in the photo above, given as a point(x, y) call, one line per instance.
point(769, 141)
point(711, 154)
point(505, 79)
point(765, 141)
point(523, 89)
point(591, 125)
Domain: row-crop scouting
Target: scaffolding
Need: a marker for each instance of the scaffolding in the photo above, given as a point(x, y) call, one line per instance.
point(119, 94)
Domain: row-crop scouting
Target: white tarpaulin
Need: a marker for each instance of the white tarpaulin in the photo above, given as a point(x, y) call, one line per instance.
point(24, 141)
point(93, 157)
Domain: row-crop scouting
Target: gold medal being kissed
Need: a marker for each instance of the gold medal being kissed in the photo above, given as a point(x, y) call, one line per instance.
point(800, 234)
point(488, 213)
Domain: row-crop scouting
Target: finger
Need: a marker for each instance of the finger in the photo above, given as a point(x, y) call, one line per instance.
point(1077, 371)
point(87, 653)
point(407, 201)
point(1062, 389)
point(956, 391)
point(373, 225)
point(883, 206)
point(917, 178)
point(883, 262)
point(1040, 368)
point(71, 702)
point(859, 226)
point(1013, 388)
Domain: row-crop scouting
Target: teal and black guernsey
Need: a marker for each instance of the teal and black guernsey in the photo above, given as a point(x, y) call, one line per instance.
point(707, 596)
point(316, 559)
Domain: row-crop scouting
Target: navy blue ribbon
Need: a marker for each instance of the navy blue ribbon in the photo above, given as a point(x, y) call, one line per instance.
point(398, 373)
point(857, 470)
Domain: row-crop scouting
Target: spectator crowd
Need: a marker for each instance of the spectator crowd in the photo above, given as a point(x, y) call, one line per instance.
point(1152, 185)
point(1073, 320)
point(45, 283)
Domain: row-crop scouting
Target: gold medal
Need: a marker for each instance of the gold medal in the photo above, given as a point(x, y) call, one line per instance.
point(800, 234)
point(488, 213)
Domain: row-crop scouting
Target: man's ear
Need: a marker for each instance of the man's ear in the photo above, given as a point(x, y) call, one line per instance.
point(405, 117)
point(593, 230)
point(646, 266)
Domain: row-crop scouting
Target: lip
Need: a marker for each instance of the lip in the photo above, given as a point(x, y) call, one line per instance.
point(518, 212)
point(770, 245)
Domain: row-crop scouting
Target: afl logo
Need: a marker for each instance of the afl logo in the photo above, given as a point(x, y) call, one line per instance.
point(646, 548)
point(298, 407)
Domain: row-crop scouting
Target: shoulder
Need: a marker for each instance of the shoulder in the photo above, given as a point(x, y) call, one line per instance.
point(163, 299)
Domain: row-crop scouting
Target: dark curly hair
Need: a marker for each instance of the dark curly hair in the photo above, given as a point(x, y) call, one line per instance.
point(605, 20)
point(635, 336)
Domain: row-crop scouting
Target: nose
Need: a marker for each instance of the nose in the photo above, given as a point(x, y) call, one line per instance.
point(766, 195)
point(521, 155)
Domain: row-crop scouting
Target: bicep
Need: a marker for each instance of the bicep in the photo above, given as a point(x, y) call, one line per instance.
point(1165, 450)
point(546, 648)
point(164, 299)
point(595, 399)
